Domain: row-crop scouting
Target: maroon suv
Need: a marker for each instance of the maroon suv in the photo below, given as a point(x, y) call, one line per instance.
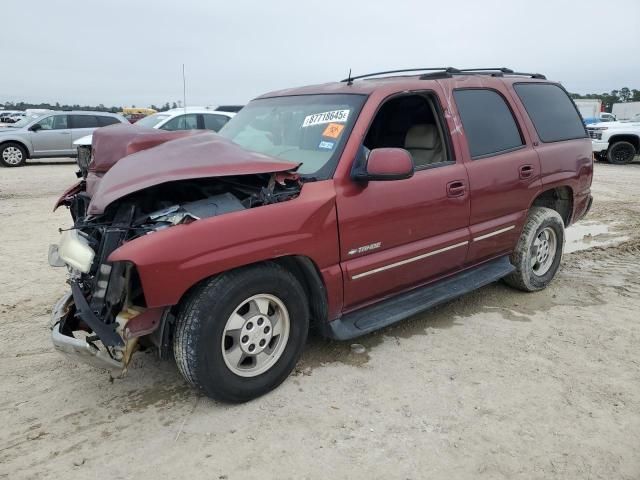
point(347, 206)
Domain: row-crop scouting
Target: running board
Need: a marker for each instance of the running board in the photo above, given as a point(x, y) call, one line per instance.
point(392, 310)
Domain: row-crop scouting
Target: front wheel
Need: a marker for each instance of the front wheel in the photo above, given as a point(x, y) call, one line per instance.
point(538, 252)
point(621, 153)
point(12, 155)
point(241, 333)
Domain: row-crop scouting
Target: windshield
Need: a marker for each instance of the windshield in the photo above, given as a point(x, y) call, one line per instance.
point(307, 129)
point(152, 120)
point(26, 120)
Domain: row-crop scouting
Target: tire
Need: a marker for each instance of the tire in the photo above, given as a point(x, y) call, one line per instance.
point(12, 155)
point(205, 344)
point(621, 153)
point(530, 276)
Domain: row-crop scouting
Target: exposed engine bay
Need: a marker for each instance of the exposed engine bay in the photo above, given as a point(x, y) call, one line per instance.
point(106, 296)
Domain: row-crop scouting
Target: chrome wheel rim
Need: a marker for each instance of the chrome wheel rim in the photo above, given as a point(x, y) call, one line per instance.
point(543, 251)
point(12, 155)
point(255, 335)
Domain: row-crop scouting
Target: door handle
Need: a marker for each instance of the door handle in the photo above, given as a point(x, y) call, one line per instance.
point(456, 188)
point(65, 133)
point(526, 171)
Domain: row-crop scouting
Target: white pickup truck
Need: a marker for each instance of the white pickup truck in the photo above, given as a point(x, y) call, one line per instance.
point(616, 142)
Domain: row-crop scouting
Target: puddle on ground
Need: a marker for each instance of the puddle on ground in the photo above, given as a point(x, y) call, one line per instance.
point(589, 234)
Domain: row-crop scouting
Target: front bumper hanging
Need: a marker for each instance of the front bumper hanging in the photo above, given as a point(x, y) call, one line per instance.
point(76, 348)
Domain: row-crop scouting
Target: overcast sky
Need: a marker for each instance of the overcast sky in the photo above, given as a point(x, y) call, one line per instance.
point(124, 52)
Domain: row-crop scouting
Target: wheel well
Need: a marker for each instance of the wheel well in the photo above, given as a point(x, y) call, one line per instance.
point(559, 199)
point(306, 272)
point(303, 268)
point(19, 143)
point(632, 139)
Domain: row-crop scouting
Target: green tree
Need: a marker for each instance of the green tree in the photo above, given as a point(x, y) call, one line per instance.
point(624, 95)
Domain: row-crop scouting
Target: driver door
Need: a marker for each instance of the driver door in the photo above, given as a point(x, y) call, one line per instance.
point(53, 137)
point(398, 234)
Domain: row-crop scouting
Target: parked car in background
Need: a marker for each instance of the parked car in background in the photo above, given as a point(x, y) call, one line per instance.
point(133, 114)
point(616, 142)
point(49, 134)
point(348, 206)
point(5, 114)
point(15, 117)
point(190, 118)
point(602, 117)
point(230, 108)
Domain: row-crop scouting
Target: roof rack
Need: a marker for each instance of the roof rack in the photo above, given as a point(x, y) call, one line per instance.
point(448, 72)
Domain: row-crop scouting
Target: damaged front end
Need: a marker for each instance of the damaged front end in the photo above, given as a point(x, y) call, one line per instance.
point(104, 318)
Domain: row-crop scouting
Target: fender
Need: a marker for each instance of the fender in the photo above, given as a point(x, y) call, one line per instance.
point(171, 261)
point(69, 193)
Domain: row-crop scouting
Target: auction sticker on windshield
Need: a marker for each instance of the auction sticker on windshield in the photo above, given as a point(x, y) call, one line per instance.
point(325, 117)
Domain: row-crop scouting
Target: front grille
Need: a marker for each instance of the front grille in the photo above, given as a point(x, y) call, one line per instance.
point(595, 134)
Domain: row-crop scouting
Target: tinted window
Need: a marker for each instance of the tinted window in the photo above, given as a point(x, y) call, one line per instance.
point(551, 111)
point(214, 122)
point(182, 122)
point(84, 121)
point(104, 121)
point(488, 123)
point(55, 122)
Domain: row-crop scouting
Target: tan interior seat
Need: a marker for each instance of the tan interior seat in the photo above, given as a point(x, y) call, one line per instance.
point(424, 144)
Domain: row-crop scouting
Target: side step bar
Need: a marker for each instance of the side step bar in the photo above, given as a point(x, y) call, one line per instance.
point(392, 310)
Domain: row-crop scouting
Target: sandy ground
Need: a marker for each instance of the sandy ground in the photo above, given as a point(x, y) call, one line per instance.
point(498, 384)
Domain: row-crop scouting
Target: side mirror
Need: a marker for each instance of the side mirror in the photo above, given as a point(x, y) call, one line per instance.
point(385, 164)
point(35, 127)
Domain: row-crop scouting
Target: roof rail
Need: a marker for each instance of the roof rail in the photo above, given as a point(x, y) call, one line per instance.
point(405, 70)
point(448, 72)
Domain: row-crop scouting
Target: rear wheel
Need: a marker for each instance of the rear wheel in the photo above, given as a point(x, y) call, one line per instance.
point(539, 250)
point(621, 153)
point(12, 154)
point(240, 334)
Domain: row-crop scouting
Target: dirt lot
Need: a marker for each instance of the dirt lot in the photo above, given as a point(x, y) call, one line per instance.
point(498, 384)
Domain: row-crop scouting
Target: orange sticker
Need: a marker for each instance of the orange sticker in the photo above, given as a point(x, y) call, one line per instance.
point(333, 130)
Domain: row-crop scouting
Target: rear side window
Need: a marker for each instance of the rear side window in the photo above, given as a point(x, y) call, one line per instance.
point(488, 122)
point(214, 122)
point(182, 122)
point(84, 121)
point(104, 121)
point(551, 110)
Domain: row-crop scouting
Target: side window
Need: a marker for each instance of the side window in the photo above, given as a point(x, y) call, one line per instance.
point(411, 122)
point(182, 122)
point(551, 110)
point(214, 122)
point(55, 122)
point(104, 121)
point(487, 121)
point(84, 121)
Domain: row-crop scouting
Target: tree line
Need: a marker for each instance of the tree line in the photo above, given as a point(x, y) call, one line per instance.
point(95, 108)
point(615, 96)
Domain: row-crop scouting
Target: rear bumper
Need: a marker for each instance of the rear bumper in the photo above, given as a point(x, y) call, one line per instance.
point(76, 348)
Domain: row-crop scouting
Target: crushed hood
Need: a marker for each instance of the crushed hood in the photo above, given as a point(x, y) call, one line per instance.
point(191, 155)
point(112, 143)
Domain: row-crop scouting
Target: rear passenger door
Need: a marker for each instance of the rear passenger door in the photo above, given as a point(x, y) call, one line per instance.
point(503, 169)
point(82, 125)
